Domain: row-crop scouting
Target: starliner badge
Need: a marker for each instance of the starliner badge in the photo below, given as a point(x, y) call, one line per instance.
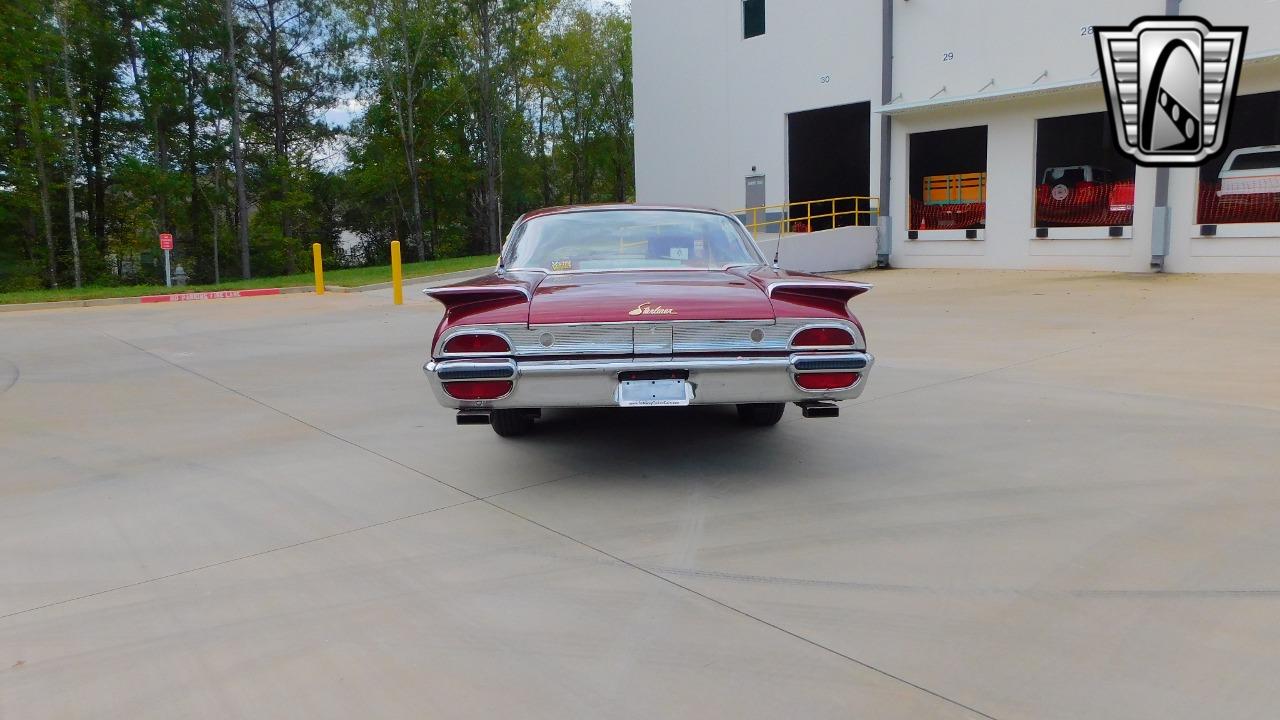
point(648, 308)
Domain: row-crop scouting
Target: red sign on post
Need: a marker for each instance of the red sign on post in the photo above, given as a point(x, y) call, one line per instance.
point(166, 241)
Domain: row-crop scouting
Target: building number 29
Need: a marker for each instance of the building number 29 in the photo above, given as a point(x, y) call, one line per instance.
point(948, 56)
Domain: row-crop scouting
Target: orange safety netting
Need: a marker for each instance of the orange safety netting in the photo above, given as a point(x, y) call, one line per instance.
point(1101, 204)
point(1085, 204)
point(947, 217)
point(1236, 208)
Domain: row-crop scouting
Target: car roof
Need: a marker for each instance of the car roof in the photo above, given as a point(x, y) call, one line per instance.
point(595, 207)
point(1255, 149)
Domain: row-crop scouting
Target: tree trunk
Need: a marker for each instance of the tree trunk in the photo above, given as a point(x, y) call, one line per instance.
point(193, 209)
point(237, 154)
point(97, 179)
point(20, 143)
point(405, 105)
point(488, 129)
point(42, 177)
point(620, 166)
point(153, 115)
point(217, 275)
point(411, 154)
point(544, 170)
point(73, 149)
point(279, 135)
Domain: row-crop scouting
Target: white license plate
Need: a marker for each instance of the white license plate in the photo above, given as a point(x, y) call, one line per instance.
point(654, 393)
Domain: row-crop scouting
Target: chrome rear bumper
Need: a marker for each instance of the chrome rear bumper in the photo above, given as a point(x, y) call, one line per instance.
point(594, 383)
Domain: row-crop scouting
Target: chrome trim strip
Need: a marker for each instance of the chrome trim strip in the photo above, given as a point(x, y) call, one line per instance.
point(434, 370)
point(829, 363)
point(762, 321)
point(464, 371)
point(593, 383)
point(619, 338)
point(859, 363)
point(629, 270)
point(464, 289)
point(771, 286)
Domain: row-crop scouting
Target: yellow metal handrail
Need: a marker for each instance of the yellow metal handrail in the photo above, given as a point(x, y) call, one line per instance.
point(788, 221)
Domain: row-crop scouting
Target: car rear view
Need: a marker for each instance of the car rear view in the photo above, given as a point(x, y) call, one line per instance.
point(638, 307)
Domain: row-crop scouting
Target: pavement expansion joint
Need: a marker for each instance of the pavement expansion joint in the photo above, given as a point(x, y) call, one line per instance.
point(476, 498)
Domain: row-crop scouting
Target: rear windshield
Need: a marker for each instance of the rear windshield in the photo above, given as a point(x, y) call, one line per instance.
point(1269, 160)
point(1066, 176)
point(629, 240)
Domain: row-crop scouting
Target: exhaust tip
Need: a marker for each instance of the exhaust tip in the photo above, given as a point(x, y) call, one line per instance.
point(819, 410)
point(473, 418)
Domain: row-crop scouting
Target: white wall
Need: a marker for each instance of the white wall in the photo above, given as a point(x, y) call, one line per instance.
point(681, 92)
point(846, 248)
point(1009, 239)
point(1009, 41)
point(1238, 247)
point(710, 105)
point(1262, 17)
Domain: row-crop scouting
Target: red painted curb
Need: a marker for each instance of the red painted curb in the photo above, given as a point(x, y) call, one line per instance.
point(212, 295)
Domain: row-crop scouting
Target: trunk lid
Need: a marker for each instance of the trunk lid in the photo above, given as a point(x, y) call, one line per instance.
point(638, 296)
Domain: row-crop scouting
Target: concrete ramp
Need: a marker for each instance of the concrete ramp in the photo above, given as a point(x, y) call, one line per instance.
point(846, 248)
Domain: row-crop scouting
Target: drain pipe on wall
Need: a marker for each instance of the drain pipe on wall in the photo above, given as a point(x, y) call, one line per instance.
point(884, 223)
point(1160, 221)
point(1161, 216)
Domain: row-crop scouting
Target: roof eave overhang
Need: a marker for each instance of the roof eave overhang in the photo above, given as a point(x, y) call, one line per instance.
point(1029, 91)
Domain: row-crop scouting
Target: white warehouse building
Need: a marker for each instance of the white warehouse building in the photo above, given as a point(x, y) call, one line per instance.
point(964, 133)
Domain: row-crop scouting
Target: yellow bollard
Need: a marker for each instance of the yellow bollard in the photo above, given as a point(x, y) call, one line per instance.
point(319, 267)
point(397, 275)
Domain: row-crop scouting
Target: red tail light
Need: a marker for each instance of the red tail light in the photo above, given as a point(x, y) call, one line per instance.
point(822, 337)
point(478, 343)
point(826, 381)
point(480, 390)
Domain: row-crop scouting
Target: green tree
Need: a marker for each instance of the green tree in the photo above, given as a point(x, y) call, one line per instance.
point(297, 63)
point(120, 119)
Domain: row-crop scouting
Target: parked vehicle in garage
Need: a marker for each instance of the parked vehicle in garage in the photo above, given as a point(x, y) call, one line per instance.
point(1083, 195)
point(955, 189)
point(1249, 173)
point(956, 200)
point(635, 306)
point(1074, 180)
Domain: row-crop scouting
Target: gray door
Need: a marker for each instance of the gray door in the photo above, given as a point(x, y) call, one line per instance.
point(755, 191)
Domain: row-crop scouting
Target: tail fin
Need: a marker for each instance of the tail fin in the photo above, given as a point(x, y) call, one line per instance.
point(835, 290)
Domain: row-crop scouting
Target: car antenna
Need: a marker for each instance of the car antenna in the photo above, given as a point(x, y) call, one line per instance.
point(777, 248)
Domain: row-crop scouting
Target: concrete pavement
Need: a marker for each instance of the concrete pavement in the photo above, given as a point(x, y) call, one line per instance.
point(1057, 499)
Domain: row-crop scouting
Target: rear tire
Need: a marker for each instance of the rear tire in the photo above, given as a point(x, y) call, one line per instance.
point(511, 423)
point(761, 414)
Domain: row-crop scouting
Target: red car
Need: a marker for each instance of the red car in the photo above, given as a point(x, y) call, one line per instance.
point(634, 306)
